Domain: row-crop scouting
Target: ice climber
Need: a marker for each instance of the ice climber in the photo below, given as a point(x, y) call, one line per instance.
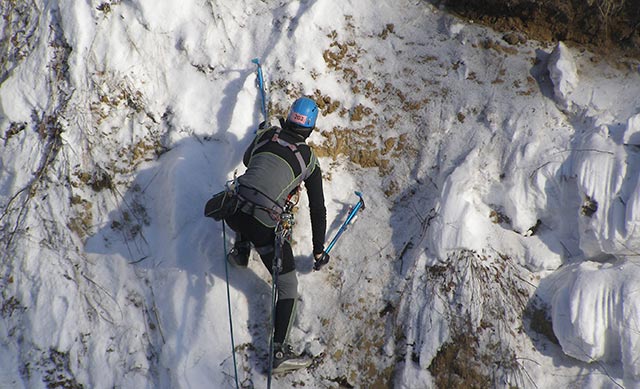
point(278, 161)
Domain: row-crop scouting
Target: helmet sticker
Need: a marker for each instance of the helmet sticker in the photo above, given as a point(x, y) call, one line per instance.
point(298, 118)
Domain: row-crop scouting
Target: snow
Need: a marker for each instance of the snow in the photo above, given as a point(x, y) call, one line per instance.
point(596, 313)
point(631, 133)
point(563, 73)
point(499, 181)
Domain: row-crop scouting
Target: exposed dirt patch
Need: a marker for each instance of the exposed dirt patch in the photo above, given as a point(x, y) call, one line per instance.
point(605, 26)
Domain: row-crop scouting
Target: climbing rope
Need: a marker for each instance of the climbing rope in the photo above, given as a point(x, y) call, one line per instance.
point(274, 275)
point(226, 271)
point(283, 233)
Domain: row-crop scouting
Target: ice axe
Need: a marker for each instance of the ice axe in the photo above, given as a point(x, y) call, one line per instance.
point(261, 86)
point(324, 259)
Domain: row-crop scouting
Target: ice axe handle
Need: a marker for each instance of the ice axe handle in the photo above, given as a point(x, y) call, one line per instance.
point(319, 263)
point(263, 99)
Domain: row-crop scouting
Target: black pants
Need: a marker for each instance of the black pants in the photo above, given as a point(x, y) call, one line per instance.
point(263, 239)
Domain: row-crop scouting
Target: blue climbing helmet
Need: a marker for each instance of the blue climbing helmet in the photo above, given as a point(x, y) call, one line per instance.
point(303, 113)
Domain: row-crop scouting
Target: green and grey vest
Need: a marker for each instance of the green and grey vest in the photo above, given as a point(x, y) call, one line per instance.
point(265, 186)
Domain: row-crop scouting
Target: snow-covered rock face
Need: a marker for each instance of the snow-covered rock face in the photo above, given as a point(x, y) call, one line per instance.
point(559, 202)
point(596, 314)
point(484, 166)
point(563, 73)
point(607, 176)
point(595, 310)
point(632, 132)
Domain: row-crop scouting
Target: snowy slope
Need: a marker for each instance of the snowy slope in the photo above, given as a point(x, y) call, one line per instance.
point(499, 244)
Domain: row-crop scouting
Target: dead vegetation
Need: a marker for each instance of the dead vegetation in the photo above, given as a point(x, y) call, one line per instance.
point(486, 299)
point(19, 21)
point(457, 365)
point(57, 368)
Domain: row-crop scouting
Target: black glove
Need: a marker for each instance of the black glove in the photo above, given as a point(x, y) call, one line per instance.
point(320, 260)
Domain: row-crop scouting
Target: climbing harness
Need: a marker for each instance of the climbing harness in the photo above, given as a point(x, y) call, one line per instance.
point(251, 199)
point(304, 172)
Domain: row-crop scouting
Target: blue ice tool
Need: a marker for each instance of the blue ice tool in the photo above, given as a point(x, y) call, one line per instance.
point(319, 263)
point(261, 86)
